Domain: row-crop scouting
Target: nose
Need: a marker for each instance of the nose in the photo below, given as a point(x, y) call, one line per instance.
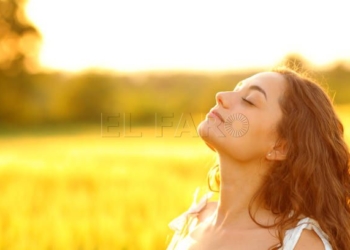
point(221, 99)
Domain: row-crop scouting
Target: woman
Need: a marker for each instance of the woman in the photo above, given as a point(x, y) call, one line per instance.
point(282, 174)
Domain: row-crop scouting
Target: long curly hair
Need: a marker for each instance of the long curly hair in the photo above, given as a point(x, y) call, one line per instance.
point(314, 179)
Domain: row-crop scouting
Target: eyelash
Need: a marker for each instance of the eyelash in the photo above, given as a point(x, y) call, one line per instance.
point(245, 100)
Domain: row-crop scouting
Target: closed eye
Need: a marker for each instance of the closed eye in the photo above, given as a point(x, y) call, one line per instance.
point(245, 100)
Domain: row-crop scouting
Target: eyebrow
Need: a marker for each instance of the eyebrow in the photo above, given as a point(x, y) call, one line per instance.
point(255, 87)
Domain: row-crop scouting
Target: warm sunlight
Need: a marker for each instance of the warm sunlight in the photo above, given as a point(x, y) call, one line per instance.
point(117, 116)
point(188, 35)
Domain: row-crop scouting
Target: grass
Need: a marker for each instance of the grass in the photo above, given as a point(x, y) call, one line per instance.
point(83, 191)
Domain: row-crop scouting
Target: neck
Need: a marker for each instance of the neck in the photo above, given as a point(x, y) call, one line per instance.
point(238, 184)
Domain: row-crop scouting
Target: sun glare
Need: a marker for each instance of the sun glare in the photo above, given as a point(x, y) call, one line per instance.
point(186, 35)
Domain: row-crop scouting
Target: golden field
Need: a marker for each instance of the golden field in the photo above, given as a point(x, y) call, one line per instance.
point(89, 191)
point(84, 191)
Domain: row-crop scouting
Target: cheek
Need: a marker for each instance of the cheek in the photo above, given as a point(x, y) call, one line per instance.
point(241, 137)
point(236, 125)
point(263, 133)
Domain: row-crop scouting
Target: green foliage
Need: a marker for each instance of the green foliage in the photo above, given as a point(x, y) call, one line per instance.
point(28, 98)
point(19, 39)
point(339, 83)
point(20, 97)
point(81, 98)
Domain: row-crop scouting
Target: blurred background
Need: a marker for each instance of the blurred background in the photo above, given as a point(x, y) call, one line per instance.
point(99, 103)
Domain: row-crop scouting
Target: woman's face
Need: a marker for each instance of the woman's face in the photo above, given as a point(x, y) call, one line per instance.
point(243, 122)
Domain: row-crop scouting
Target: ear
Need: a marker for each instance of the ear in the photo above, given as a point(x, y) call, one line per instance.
point(278, 152)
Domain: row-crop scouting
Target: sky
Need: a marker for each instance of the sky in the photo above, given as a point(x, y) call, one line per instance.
point(147, 35)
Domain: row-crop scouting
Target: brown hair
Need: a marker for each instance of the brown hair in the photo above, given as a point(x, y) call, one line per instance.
point(314, 179)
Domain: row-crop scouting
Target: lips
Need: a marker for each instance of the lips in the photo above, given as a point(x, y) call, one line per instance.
point(215, 113)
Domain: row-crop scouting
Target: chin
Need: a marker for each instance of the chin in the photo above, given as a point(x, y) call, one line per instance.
point(208, 129)
point(207, 134)
point(200, 129)
point(204, 131)
point(210, 146)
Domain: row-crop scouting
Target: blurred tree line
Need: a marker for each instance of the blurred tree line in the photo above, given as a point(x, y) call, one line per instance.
point(61, 98)
point(28, 98)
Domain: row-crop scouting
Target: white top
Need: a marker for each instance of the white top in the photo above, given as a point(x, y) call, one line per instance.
point(292, 235)
point(186, 222)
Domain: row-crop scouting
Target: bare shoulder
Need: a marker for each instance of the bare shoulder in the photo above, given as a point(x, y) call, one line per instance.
point(207, 211)
point(309, 240)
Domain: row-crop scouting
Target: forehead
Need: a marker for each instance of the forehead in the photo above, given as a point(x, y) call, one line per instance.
point(271, 82)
